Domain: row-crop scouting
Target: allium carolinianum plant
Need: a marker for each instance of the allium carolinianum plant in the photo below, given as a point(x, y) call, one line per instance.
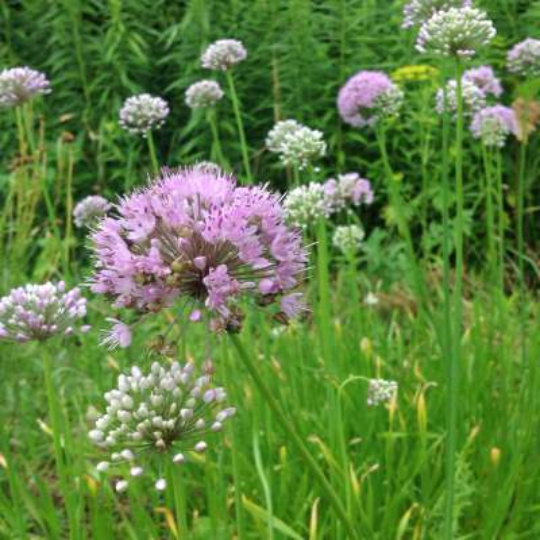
point(89, 210)
point(21, 84)
point(304, 205)
point(203, 94)
point(193, 235)
point(418, 11)
point(223, 54)
point(381, 391)
point(143, 113)
point(158, 417)
point(348, 238)
point(524, 58)
point(474, 98)
point(493, 125)
point(458, 32)
point(39, 312)
point(484, 78)
point(296, 145)
point(368, 97)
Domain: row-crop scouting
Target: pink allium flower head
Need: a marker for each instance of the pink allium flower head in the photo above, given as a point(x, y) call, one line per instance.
point(348, 189)
point(203, 94)
point(367, 97)
point(38, 312)
point(89, 210)
point(223, 54)
point(474, 98)
point(418, 11)
point(483, 77)
point(193, 234)
point(493, 125)
point(19, 85)
point(524, 58)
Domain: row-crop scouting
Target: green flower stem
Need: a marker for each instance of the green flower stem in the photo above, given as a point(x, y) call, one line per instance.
point(152, 151)
point(403, 227)
point(212, 121)
point(454, 360)
point(56, 421)
point(240, 126)
point(490, 213)
point(174, 483)
point(500, 219)
point(295, 438)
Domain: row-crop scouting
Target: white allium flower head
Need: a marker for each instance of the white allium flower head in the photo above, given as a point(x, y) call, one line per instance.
point(38, 312)
point(304, 205)
point(142, 113)
point(301, 147)
point(276, 136)
point(474, 98)
point(348, 238)
point(89, 210)
point(203, 94)
point(21, 84)
point(381, 391)
point(160, 414)
point(524, 58)
point(223, 54)
point(418, 11)
point(456, 32)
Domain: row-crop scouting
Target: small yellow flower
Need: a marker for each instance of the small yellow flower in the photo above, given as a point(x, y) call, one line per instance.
point(420, 72)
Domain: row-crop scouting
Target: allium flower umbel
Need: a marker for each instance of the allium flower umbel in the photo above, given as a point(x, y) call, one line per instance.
point(38, 312)
point(368, 97)
point(493, 125)
point(348, 238)
point(484, 78)
point(474, 98)
point(89, 210)
point(21, 84)
point(456, 32)
point(157, 417)
point(277, 136)
point(418, 11)
point(524, 58)
point(381, 391)
point(140, 114)
point(223, 54)
point(203, 94)
point(194, 235)
point(302, 147)
point(304, 205)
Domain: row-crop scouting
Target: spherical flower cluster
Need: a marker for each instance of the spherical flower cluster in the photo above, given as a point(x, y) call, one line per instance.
point(193, 234)
point(381, 391)
point(348, 238)
point(162, 414)
point(203, 94)
point(223, 54)
point(473, 98)
point(368, 97)
point(142, 113)
point(208, 166)
point(485, 79)
point(306, 204)
point(38, 312)
point(524, 58)
point(418, 11)
point(455, 32)
point(302, 147)
point(19, 85)
point(89, 210)
point(493, 125)
point(277, 136)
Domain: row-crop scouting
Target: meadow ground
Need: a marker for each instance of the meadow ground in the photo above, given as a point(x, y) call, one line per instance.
point(398, 398)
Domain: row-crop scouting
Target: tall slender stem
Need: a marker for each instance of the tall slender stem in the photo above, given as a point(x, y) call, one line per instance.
point(500, 220)
point(211, 119)
point(295, 438)
point(454, 360)
point(152, 151)
point(490, 213)
point(240, 126)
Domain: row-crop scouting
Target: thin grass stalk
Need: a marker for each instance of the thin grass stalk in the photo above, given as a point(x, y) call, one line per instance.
point(69, 239)
point(174, 481)
point(152, 152)
point(240, 126)
point(55, 418)
point(402, 224)
point(295, 438)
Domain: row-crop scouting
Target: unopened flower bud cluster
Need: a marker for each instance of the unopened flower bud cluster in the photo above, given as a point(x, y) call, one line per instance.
point(381, 391)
